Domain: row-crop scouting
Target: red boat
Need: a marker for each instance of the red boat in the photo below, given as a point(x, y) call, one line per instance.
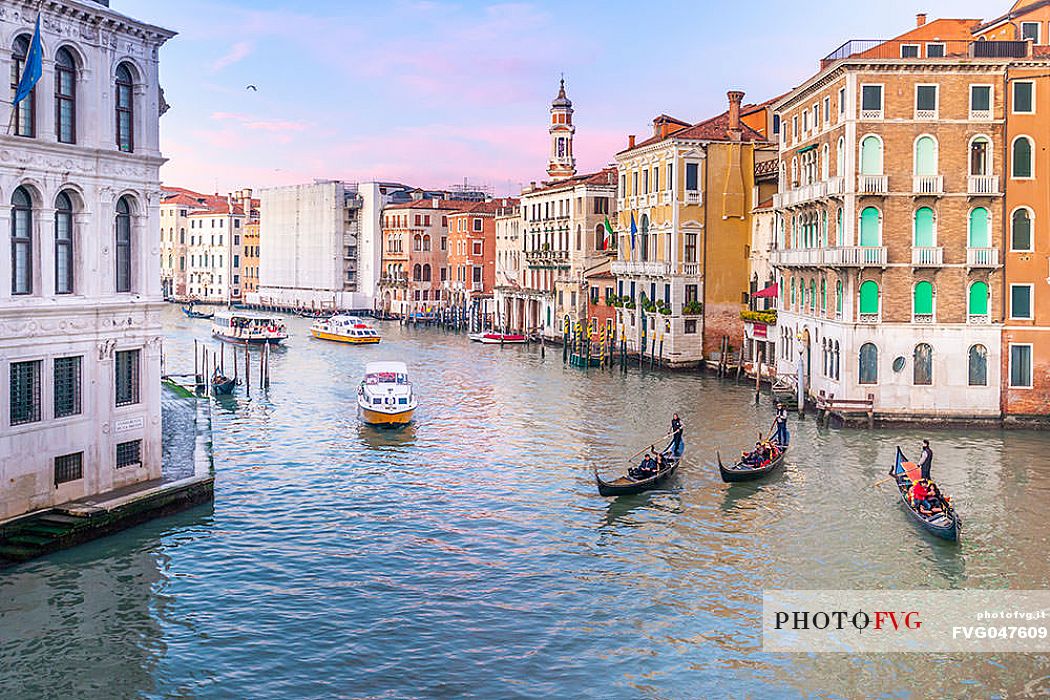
point(499, 338)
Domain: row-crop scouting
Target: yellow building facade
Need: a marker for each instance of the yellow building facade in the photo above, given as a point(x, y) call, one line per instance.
point(684, 226)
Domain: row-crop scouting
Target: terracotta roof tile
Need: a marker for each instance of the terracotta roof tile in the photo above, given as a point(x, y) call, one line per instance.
point(713, 129)
point(605, 176)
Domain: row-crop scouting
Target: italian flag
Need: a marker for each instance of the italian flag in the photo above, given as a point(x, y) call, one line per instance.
point(609, 233)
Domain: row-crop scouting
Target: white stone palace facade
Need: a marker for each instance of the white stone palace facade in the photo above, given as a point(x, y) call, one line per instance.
point(80, 292)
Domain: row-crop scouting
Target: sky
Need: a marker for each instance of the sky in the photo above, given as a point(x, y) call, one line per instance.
point(436, 93)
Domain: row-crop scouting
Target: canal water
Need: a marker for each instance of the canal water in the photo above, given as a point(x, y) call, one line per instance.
point(472, 556)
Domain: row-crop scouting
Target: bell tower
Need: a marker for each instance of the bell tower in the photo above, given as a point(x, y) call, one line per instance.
point(562, 163)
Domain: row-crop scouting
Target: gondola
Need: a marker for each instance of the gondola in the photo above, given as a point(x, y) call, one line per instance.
point(946, 525)
point(188, 310)
point(743, 472)
point(222, 385)
point(625, 485)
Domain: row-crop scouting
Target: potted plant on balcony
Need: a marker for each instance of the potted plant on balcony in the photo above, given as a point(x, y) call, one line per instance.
point(629, 304)
point(693, 308)
point(663, 308)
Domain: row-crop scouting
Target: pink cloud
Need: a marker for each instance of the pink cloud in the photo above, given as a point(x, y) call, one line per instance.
point(237, 53)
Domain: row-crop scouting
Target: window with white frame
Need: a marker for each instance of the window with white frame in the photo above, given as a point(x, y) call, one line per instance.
point(934, 50)
point(871, 102)
point(842, 100)
point(827, 111)
point(1031, 31)
point(1021, 302)
point(1024, 97)
point(909, 50)
point(926, 101)
point(1020, 366)
point(981, 102)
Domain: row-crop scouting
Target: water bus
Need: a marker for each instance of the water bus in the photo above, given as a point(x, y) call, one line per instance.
point(345, 329)
point(248, 327)
point(385, 398)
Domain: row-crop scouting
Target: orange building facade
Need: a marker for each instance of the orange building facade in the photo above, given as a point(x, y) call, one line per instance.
point(472, 250)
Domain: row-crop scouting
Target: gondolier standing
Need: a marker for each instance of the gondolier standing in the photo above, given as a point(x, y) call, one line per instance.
point(783, 437)
point(926, 459)
point(676, 434)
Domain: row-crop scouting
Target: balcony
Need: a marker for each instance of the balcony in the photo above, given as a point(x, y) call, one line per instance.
point(547, 259)
point(982, 185)
point(980, 115)
point(797, 257)
point(691, 269)
point(928, 185)
point(855, 256)
point(979, 319)
point(801, 195)
point(693, 197)
point(872, 184)
point(982, 257)
point(836, 185)
point(927, 257)
point(923, 319)
point(893, 50)
point(641, 268)
point(665, 197)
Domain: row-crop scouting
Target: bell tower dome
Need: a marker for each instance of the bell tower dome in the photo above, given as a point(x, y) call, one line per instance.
point(562, 163)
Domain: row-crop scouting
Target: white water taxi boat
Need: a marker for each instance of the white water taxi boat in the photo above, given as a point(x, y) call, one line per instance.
point(345, 329)
point(385, 398)
point(248, 327)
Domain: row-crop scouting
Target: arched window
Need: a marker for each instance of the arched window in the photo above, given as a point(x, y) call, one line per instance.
point(979, 236)
point(417, 243)
point(839, 234)
point(926, 156)
point(1021, 163)
point(869, 227)
point(123, 245)
point(65, 97)
point(837, 358)
point(869, 298)
point(978, 366)
point(869, 364)
point(980, 156)
point(812, 295)
point(645, 237)
point(840, 157)
point(838, 298)
point(922, 302)
point(977, 303)
point(825, 162)
point(924, 237)
point(24, 118)
point(21, 242)
point(579, 237)
point(426, 244)
point(426, 273)
point(824, 229)
point(64, 244)
point(792, 292)
point(125, 106)
point(1021, 230)
point(417, 272)
point(599, 237)
point(871, 156)
point(823, 297)
point(922, 361)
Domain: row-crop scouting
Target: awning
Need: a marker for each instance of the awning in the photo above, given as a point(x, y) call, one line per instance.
point(807, 149)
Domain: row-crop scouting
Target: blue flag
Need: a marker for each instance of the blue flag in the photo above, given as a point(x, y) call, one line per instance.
point(33, 68)
point(634, 230)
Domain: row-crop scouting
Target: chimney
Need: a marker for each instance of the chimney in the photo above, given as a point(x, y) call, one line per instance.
point(630, 141)
point(920, 19)
point(735, 98)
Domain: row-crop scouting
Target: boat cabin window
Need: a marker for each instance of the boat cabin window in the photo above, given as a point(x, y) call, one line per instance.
point(386, 378)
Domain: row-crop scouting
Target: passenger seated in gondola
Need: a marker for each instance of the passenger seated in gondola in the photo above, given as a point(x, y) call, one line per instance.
point(643, 470)
point(918, 493)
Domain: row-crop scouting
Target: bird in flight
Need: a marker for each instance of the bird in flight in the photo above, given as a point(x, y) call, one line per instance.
point(252, 88)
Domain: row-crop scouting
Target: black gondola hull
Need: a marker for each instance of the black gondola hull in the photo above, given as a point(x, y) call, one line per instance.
point(946, 531)
point(739, 473)
point(615, 488)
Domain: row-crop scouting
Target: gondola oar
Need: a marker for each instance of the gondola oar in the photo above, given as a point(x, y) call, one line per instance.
point(651, 444)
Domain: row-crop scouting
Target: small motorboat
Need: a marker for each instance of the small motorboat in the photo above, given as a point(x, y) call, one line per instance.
point(245, 327)
point(345, 329)
point(946, 524)
point(385, 398)
point(493, 338)
point(193, 313)
point(755, 469)
point(315, 313)
point(626, 485)
point(221, 385)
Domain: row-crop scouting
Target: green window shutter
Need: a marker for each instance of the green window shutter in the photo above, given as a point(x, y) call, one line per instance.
point(838, 297)
point(871, 156)
point(1022, 161)
point(869, 227)
point(978, 299)
point(924, 228)
point(869, 297)
point(979, 228)
point(923, 299)
point(926, 156)
point(1021, 231)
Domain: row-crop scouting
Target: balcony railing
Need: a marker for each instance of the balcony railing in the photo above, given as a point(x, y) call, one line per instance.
point(693, 197)
point(665, 197)
point(979, 319)
point(836, 185)
point(924, 319)
point(883, 49)
point(856, 256)
point(927, 257)
point(982, 257)
point(980, 115)
point(691, 269)
point(642, 268)
point(797, 257)
point(982, 184)
point(928, 184)
point(872, 184)
point(870, 318)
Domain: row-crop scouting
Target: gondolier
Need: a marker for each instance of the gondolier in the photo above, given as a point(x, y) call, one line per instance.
point(926, 459)
point(783, 437)
point(676, 434)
